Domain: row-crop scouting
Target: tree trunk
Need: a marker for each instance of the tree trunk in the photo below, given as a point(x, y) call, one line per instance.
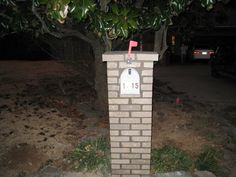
point(160, 44)
point(100, 77)
point(100, 81)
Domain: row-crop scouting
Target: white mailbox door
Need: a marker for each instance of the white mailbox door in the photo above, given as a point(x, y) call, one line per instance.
point(130, 82)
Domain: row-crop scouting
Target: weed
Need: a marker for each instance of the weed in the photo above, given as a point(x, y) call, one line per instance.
point(208, 160)
point(170, 158)
point(92, 155)
point(21, 174)
point(211, 136)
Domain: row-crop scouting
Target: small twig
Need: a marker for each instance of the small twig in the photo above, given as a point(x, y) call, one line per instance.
point(44, 26)
point(61, 87)
point(6, 16)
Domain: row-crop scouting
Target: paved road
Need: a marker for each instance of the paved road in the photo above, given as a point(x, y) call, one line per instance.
point(195, 80)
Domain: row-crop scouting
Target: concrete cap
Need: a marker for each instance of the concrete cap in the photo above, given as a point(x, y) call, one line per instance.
point(135, 56)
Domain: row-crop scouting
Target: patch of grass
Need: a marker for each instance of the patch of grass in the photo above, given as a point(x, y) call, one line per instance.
point(92, 155)
point(211, 136)
point(170, 158)
point(208, 160)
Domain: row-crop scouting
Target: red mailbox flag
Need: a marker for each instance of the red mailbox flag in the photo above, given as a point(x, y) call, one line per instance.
point(131, 44)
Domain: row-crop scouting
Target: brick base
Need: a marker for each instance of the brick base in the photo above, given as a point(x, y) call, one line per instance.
point(130, 116)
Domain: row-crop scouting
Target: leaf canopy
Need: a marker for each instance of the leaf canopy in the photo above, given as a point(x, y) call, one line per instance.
point(119, 19)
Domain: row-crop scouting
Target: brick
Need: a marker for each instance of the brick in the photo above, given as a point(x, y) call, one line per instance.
point(121, 172)
point(112, 80)
point(146, 144)
point(140, 161)
point(113, 107)
point(147, 94)
point(141, 127)
point(115, 156)
point(141, 172)
point(147, 80)
point(130, 95)
point(112, 73)
point(126, 65)
point(120, 161)
point(118, 101)
point(148, 64)
point(147, 108)
point(114, 132)
point(141, 100)
point(120, 150)
point(147, 167)
point(141, 150)
point(112, 94)
point(113, 120)
point(113, 87)
point(147, 72)
point(131, 176)
point(130, 132)
point(130, 166)
point(141, 114)
point(146, 120)
point(115, 166)
point(115, 144)
point(146, 156)
point(147, 56)
point(113, 56)
point(116, 175)
point(130, 107)
point(130, 120)
point(119, 138)
point(130, 156)
point(146, 132)
point(111, 65)
point(146, 87)
point(119, 126)
point(130, 144)
point(119, 114)
point(141, 138)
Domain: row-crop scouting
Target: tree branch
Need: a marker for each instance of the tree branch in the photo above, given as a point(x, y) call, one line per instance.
point(75, 33)
point(44, 26)
point(65, 32)
point(6, 16)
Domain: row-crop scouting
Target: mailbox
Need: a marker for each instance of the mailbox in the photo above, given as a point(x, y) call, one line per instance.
point(129, 82)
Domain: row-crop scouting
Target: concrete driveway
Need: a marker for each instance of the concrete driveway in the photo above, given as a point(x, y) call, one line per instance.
point(196, 82)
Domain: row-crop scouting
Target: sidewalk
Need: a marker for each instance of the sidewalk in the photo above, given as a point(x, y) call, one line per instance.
point(54, 172)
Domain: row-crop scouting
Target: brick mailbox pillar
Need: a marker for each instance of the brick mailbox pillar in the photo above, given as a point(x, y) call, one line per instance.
point(130, 111)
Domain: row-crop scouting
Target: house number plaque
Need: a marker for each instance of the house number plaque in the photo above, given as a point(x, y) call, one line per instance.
point(129, 82)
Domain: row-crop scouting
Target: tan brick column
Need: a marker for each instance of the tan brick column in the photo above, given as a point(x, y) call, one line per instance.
point(130, 116)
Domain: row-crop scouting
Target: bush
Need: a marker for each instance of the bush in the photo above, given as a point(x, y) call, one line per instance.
point(169, 159)
point(208, 160)
point(92, 155)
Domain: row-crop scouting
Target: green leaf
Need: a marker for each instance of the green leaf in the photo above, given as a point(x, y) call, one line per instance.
point(125, 11)
point(208, 4)
point(133, 24)
point(124, 32)
point(115, 9)
point(80, 9)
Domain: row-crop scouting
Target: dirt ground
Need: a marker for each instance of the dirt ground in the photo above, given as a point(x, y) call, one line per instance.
point(46, 111)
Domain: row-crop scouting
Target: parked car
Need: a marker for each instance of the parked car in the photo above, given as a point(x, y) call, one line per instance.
point(223, 62)
point(201, 52)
